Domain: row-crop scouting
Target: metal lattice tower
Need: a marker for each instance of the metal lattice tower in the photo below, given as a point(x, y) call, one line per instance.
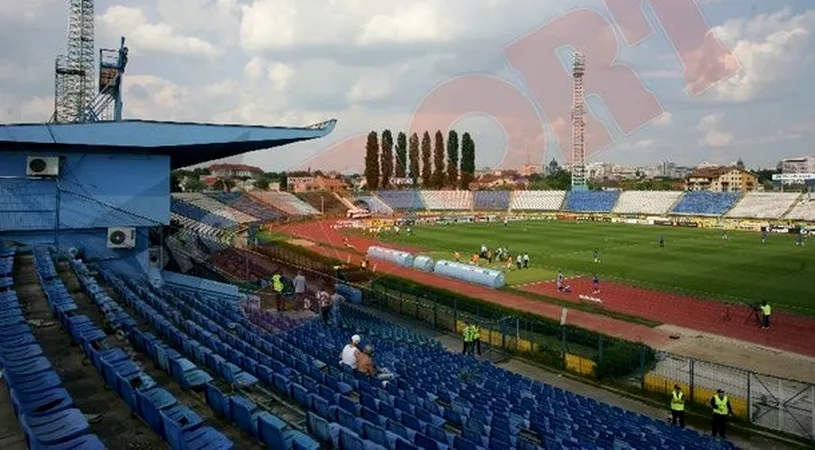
point(74, 84)
point(578, 123)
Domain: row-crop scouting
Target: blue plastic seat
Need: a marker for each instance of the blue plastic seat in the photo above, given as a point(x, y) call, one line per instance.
point(55, 428)
point(40, 403)
point(86, 442)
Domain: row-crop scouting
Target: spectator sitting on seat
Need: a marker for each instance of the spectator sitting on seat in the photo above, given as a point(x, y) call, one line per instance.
point(365, 364)
point(350, 352)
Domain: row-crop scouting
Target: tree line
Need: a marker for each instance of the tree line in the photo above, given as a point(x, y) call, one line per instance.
point(424, 162)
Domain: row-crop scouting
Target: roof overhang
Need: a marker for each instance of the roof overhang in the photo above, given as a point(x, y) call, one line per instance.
point(187, 144)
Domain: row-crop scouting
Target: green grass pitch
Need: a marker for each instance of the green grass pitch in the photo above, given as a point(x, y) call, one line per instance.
point(693, 261)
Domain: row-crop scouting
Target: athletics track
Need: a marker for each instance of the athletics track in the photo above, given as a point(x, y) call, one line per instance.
point(788, 332)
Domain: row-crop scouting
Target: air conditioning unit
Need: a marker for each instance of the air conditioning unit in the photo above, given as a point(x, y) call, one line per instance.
point(42, 166)
point(121, 238)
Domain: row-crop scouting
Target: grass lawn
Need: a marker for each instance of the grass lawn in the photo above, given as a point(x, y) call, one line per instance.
point(694, 261)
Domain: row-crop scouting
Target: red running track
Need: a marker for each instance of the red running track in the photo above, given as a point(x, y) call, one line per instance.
point(787, 332)
point(323, 232)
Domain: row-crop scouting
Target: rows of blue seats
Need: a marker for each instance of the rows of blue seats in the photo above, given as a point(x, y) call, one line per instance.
point(357, 321)
point(491, 200)
point(316, 390)
point(195, 213)
point(402, 200)
point(495, 408)
point(706, 203)
point(208, 343)
point(591, 201)
point(179, 425)
point(156, 406)
point(246, 205)
point(44, 408)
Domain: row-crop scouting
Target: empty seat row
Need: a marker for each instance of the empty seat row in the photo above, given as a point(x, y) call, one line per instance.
point(447, 200)
point(373, 204)
point(207, 348)
point(215, 207)
point(491, 200)
point(646, 202)
point(285, 202)
point(804, 209)
point(706, 203)
point(537, 200)
point(182, 208)
point(402, 200)
point(591, 201)
point(763, 205)
point(46, 411)
point(247, 205)
point(178, 425)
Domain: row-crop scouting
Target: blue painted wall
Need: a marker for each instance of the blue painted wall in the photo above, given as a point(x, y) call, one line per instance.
point(96, 191)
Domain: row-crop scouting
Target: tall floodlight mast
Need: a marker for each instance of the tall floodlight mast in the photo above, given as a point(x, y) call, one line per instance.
point(578, 123)
point(74, 84)
point(78, 95)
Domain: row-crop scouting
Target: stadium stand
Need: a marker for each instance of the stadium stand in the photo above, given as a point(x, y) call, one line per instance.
point(447, 200)
point(591, 201)
point(803, 210)
point(212, 332)
point(763, 205)
point(198, 227)
point(402, 200)
point(491, 200)
point(182, 208)
point(428, 405)
point(375, 205)
point(706, 203)
point(215, 207)
point(247, 205)
point(646, 202)
point(285, 202)
point(537, 200)
point(46, 412)
point(325, 202)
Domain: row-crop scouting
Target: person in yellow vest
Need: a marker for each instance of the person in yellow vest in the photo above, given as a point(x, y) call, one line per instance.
point(277, 285)
point(721, 411)
point(467, 338)
point(476, 339)
point(766, 310)
point(678, 406)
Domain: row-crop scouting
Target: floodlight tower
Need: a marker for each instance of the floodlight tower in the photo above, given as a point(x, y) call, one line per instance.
point(578, 123)
point(74, 83)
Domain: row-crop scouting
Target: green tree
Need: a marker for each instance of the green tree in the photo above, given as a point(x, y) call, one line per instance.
point(261, 183)
point(438, 160)
point(223, 184)
point(467, 161)
point(413, 154)
point(452, 158)
point(386, 159)
point(193, 185)
point(175, 181)
point(372, 161)
point(401, 155)
point(427, 164)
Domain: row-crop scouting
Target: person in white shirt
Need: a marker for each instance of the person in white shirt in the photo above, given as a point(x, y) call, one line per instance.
point(349, 352)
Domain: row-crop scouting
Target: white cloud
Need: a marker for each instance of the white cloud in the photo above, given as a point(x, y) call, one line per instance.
point(419, 22)
point(769, 47)
point(646, 143)
point(144, 36)
point(664, 120)
point(280, 74)
point(712, 134)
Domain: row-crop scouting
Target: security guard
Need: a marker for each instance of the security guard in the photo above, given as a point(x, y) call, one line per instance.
point(721, 411)
point(277, 285)
point(766, 310)
point(467, 337)
point(477, 339)
point(678, 406)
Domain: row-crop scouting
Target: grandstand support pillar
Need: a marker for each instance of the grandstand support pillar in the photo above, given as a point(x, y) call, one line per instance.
point(750, 399)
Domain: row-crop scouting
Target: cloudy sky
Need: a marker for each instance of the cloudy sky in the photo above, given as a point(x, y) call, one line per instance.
point(713, 80)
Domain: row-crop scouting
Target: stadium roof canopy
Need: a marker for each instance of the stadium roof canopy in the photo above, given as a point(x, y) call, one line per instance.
point(186, 143)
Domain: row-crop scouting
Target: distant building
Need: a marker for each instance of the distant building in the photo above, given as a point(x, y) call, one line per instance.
point(527, 170)
point(309, 184)
point(722, 179)
point(803, 164)
point(234, 171)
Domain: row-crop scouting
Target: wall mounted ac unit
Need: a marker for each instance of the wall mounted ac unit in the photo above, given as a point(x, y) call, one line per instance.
point(121, 238)
point(42, 166)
